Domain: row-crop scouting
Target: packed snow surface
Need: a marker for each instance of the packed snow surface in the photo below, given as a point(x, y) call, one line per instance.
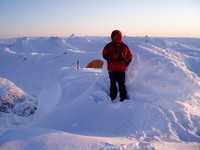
point(74, 109)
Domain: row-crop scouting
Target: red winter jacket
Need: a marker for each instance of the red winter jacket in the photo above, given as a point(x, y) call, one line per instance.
point(117, 54)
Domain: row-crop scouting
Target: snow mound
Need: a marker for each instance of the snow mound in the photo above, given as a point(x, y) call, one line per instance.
point(161, 75)
point(14, 101)
point(48, 139)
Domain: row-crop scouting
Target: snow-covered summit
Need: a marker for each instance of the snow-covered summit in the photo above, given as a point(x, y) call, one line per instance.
point(162, 81)
point(72, 36)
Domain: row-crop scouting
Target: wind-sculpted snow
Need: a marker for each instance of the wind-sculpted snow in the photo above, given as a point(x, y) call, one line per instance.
point(162, 81)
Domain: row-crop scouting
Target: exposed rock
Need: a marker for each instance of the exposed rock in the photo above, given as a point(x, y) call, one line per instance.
point(15, 100)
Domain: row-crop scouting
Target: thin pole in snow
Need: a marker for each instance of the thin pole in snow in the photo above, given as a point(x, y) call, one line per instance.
point(77, 65)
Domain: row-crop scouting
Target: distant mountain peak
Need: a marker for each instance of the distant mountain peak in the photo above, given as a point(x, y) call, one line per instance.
point(72, 36)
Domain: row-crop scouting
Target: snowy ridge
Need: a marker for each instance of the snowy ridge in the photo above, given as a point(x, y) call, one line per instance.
point(163, 84)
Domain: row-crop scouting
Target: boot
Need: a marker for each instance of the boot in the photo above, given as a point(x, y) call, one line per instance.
point(123, 98)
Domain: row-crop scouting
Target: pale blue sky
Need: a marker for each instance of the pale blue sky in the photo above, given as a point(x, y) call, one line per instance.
point(171, 18)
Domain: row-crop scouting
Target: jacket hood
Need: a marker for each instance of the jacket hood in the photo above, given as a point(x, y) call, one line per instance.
point(120, 40)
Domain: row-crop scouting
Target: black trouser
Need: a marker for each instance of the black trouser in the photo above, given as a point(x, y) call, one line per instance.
point(117, 76)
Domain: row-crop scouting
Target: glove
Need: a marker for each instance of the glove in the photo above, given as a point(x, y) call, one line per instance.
point(121, 58)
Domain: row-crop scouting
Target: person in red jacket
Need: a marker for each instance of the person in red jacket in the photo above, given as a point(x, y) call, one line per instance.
point(118, 57)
